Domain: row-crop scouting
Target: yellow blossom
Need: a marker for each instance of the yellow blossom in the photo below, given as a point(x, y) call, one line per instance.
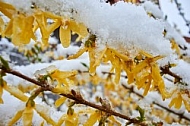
point(16, 93)
point(27, 116)
point(62, 76)
point(175, 46)
point(60, 101)
point(93, 119)
point(45, 28)
point(42, 111)
point(66, 28)
point(177, 101)
point(17, 27)
point(17, 116)
point(7, 9)
point(113, 121)
point(1, 25)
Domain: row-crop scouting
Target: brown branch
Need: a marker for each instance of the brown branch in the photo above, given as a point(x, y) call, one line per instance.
point(80, 100)
point(20, 75)
point(181, 115)
point(166, 70)
point(74, 96)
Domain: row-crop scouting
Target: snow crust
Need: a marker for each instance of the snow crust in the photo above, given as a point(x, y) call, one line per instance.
point(113, 25)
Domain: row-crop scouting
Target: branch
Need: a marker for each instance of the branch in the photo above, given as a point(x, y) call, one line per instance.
point(182, 14)
point(166, 70)
point(79, 100)
point(181, 115)
point(74, 96)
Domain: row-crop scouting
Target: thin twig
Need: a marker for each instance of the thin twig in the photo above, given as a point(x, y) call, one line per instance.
point(99, 107)
point(182, 14)
point(181, 115)
point(20, 75)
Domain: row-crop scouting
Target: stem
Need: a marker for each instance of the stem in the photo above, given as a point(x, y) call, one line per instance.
point(20, 75)
point(182, 14)
point(181, 115)
point(99, 107)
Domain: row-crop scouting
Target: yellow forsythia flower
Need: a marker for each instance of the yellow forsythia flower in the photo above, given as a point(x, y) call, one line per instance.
point(62, 76)
point(7, 9)
point(67, 27)
point(60, 101)
point(16, 93)
point(71, 120)
point(176, 102)
point(20, 29)
point(1, 25)
point(113, 121)
point(42, 111)
point(79, 53)
point(27, 116)
point(93, 118)
point(175, 46)
point(16, 117)
point(1, 90)
point(45, 28)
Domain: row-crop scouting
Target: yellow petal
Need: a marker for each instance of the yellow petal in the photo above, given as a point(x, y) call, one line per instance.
point(16, 118)
point(114, 121)
point(61, 120)
point(54, 26)
point(187, 105)
point(42, 23)
point(172, 102)
point(1, 93)
point(99, 58)
point(21, 24)
point(147, 88)
point(122, 56)
point(60, 101)
point(71, 120)
point(117, 65)
point(27, 116)
point(79, 28)
point(146, 54)
point(61, 76)
point(65, 35)
point(7, 9)
point(79, 53)
point(43, 113)
point(1, 25)
point(175, 46)
point(139, 67)
point(179, 102)
point(126, 67)
point(16, 93)
point(61, 90)
point(92, 119)
point(92, 68)
point(9, 29)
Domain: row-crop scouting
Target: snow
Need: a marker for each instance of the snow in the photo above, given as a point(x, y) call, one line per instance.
point(153, 8)
point(182, 69)
point(113, 24)
point(173, 17)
